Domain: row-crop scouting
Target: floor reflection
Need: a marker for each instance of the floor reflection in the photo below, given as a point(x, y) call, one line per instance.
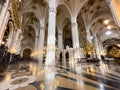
point(49, 78)
point(68, 76)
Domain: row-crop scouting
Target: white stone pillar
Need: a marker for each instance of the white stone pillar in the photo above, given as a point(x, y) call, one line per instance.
point(75, 37)
point(97, 47)
point(36, 43)
point(3, 26)
point(1, 8)
point(101, 48)
point(50, 81)
point(9, 40)
point(88, 35)
point(114, 13)
point(15, 38)
point(60, 40)
point(63, 57)
point(36, 46)
point(41, 43)
point(3, 19)
point(81, 50)
point(71, 55)
point(57, 56)
point(50, 58)
point(18, 45)
point(4, 12)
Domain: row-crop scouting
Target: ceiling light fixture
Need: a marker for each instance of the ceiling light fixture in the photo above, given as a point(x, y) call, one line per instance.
point(118, 45)
point(109, 27)
point(3, 42)
point(91, 37)
point(108, 32)
point(106, 22)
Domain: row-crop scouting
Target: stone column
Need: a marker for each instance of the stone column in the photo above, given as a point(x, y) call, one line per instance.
point(9, 40)
point(75, 38)
point(63, 57)
point(81, 50)
point(89, 40)
point(88, 35)
point(36, 43)
point(41, 44)
point(70, 55)
point(3, 13)
point(3, 19)
point(97, 47)
point(101, 47)
point(36, 46)
point(60, 40)
point(1, 7)
point(57, 56)
point(50, 81)
point(4, 26)
point(15, 38)
point(114, 13)
point(50, 58)
point(18, 45)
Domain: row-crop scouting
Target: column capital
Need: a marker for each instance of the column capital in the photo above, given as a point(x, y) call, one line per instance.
point(87, 32)
point(73, 19)
point(10, 21)
point(95, 36)
point(74, 23)
point(19, 30)
point(42, 28)
point(52, 9)
point(60, 34)
point(21, 37)
point(36, 36)
point(108, 1)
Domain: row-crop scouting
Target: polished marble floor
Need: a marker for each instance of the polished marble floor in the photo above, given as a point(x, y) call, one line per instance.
point(74, 76)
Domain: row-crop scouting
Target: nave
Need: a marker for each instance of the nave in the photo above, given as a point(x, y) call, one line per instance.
point(59, 44)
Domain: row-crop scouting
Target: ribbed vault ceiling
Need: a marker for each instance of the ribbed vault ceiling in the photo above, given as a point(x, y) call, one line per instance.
point(90, 14)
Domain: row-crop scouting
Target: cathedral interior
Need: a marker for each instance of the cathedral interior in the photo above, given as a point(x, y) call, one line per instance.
point(59, 44)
